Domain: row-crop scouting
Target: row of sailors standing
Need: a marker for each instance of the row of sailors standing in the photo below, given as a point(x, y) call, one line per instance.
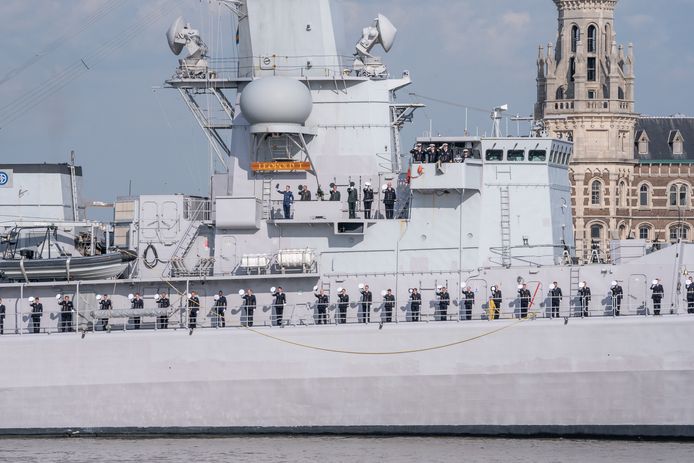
point(434, 155)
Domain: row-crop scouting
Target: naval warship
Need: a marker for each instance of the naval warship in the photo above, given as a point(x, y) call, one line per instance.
point(141, 345)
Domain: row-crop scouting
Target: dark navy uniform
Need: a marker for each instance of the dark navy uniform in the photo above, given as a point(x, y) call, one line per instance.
point(555, 297)
point(443, 303)
point(249, 303)
point(193, 309)
point(617, 296)
point(525, 297)
point(280, 301)
point(36, 314)
point(322, 302)
point(335, 195)
point(368, 201)
point(66, 309)
point(365, 307)
point(468, 303)
point(287, 201)
point(445, 155)
point(342, 305)
point(388, 307)
point(657, 296)
point(105, 304)
point(690, 297)
point(415, 305)
point(418, 155)
point(137, 303)
point(498, 299)
point(2, 319)
point(432, 155)
point(584, 297)
point(352, 199)
point(163, 319)
point(389, 198)
point(220, 306)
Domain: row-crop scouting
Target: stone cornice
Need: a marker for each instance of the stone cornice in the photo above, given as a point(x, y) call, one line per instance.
point(576, 5)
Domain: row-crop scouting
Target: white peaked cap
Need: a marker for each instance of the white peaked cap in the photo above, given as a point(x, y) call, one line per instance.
point(131, 296)
point(58, 296)
point(614, 283)
point(31, 299)
point(384, 292)
point(216, 297)
point(157, 297)
point(98, 297)
point(242, 292)
point(655, 282)
point(367, 184)
point(552, 286)
point(581, 285)
point(273, 289)
point(520, 286)
point(339, 289)
point(315, 288)
point(361, 285)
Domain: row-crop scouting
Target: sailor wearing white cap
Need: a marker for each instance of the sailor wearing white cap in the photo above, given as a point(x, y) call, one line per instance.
point(617, 295)
point(584, 296)
point(657, 296)
point(368, 199)
point(343, 303)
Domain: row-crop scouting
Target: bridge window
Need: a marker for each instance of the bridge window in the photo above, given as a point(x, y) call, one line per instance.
point(515, 155)
point(537, 155)
point(495, 155)
point(592, 39)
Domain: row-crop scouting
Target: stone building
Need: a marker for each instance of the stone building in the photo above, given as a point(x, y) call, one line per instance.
point(630, 174)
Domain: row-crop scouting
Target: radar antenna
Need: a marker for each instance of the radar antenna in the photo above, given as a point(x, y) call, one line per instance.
point(381, 32)
point(180, 35)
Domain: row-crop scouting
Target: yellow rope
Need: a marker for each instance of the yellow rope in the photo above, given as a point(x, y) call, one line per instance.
point(401, 352)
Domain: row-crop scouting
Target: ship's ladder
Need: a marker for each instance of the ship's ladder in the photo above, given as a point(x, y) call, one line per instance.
point(574, 280)
point(505, 203)
point(266, 197)
point(176, 266)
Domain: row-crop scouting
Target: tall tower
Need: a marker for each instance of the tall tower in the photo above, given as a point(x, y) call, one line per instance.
point(585, 92)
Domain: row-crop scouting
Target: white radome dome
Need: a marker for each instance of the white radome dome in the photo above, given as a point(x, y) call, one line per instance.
point(276, 100)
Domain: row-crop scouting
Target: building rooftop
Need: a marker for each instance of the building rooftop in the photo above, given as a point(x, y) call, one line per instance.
point(664, 139)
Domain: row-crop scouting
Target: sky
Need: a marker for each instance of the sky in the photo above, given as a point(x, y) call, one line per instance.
point(86, 75)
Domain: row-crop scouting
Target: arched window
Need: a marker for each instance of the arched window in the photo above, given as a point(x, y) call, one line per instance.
point(596, 232)
point(560, 93)
point(575, 37)
point(674, 190)
point(622, 232)
point(592, 39)
point(644, 196)
point(596, 193)
point(679, 195)
point(679, 232)
point(620, 93)
point(645, 232)
point(684, 196)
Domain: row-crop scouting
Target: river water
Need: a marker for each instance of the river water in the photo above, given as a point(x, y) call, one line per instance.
point(340, 449)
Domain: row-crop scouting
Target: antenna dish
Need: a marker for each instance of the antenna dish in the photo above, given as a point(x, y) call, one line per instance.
point(386, 31)
point(172, 36)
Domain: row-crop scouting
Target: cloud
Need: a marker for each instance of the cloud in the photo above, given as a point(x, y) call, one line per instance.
point(515, 19)
point(639, 20)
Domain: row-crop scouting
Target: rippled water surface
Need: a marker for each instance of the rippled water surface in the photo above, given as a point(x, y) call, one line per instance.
point(340, 449)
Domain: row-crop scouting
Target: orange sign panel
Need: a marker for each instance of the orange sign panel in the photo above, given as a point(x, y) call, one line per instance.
point(286, 166)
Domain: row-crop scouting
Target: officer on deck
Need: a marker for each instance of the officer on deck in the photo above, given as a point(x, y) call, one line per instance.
point(468, 303)
point(584, 297)
point(368, 199)
point(389, 198)
point(418, 154)
point(2, 318)
point(443, 303)
point(445, 154)
point(66, 309)
point(334, 194)
point(36, 314)
point(193, 309)
point(163, 318)
point(525, 297)
point(342, 305)
point(137, 303)
point(497, 299)
point(555, 297)
point(657, 296)
point(249, 303)
point(105, 304)
point(352, 199)
point(322, 302)
point(287, 200)
point(278, 304)
point(365, 305)
point(432, 154)
point(388, 306)
point(220, 306)
point(689, 285)
point(415, 304)
point(304, 193)
point(617, 295)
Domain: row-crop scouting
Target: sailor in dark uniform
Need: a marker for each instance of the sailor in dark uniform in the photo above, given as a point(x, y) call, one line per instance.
point(342, 305)
point(432, 154)
point(278, 304)
point(418, 154)
point(555, 297)
point(352, 199)
point(584, 297)
point(193, 309)
point(249, 303)
point(445, 154)
point(388, 306)
point(163, 319)
point(36, 314)
point(368, 199)
point(389, 198)
point(220, 306)
point(468, 303)
point(617, 295)
point(304, 193)
point(690, 295)
point(365, 305)
point(443, 303)
point(66, 309)
point(287, 200)
point(334, 194)
point(497, 299)
point(322, 302)
point(2, 318)
point(525, 297)
point(105, 304)
point(415, 304)
point(137, 303)
point(657, 296)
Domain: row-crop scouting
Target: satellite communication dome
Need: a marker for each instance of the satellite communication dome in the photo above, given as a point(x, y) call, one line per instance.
point(173, 32)
point(276, 100)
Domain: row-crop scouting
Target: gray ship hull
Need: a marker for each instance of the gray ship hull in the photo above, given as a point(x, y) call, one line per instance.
point(624, 377)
